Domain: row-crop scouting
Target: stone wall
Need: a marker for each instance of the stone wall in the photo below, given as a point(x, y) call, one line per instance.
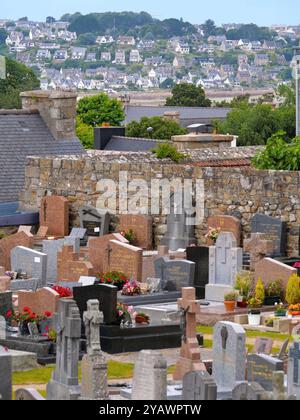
point(238, 191)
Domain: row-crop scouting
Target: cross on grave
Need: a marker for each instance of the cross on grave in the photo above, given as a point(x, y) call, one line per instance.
point(224, 249)
point(258, 247)
point(92, 320)
point(45, 211)
point(295, 354)
point(108, 252)
point(190, 357)
point(224, 335)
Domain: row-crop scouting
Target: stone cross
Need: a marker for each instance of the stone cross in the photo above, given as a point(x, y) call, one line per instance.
point(64, 384)
point(295, 355)
point(190, 358)
point(258, 247)
point(94, 366)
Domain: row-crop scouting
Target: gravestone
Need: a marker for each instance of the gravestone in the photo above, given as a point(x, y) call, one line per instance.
point(64, 384)
point(200, 256)
point(97, 250)
point(95, 221)
point(142, 228)
point(150, 377)
point(174, 274)
point(2, 328)
point(4, 280)
point(229, 356)
point(5, 376)
point(226, 224)
point(54, 214)
point(263, 345)
point(225, 262)
point(30, 284)
point(26, 229)
point(274, 230)
point(28, 394)
point(94, 365)
point(269, 270)
point(190, 357)
point(199, 386)
point(42, 300)
point(258, 247)
point(106, 296)
point(42, 232)
point(52, 248)
point(294, 370)
point(31, 262)
point(180, 232)
point(79, 233)
point(260, 369)
point(9, 243)
point(249, 392)
point(125, 258)
point(6, 303)
point(70, 267)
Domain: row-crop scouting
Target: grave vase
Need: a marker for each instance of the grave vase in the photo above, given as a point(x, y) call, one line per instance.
point(254, 319)
point(23, 329)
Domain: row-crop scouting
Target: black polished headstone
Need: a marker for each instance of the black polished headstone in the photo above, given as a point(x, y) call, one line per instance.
point(105, 294)
point(200, 256)
point(275, 231)
point(175, 274)
point(6, 303)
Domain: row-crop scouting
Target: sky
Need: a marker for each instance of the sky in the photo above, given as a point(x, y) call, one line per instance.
point(261, 12)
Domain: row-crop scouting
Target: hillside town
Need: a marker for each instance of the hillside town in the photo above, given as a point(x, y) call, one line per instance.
point(69, 61)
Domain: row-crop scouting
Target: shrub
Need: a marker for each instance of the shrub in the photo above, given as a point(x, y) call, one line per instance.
point(260, 290)
point(85, 133)
point(162, 128)
point(293, 290)
point(230, 297)
point(167, 151)
point(243, 283)
point(274, 289)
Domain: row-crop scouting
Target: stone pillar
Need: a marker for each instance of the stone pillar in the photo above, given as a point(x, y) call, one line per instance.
point(58, 110)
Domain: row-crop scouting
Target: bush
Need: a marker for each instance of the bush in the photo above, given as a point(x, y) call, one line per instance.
point(99, 109)
point(293, 290)
point(243, 283)
point(260, 290)
point(186, 94)
point(230, 297)
point(279, 154)
point(167, 151)
point(85, 133)
point(162, 128)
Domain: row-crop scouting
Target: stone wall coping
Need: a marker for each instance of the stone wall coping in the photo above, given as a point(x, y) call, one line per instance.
point(40, 94)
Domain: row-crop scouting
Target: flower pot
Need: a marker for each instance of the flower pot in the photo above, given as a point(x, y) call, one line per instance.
point(254, 319)
point(23, 329)
point(294, 313)
point(272, 300)
point(230, 305)
point(242, 304)
point(141, 320)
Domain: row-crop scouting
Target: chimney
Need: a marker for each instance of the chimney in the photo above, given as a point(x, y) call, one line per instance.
point(57, 109)
point(173, 116)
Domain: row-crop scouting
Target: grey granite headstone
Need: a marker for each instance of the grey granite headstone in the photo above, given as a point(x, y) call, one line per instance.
point(95, 221)
point(249, 392)
point(78, 233)
point(52, 248)
point(94, 365)
point(64, 384)
point(199, 386)
point(225, 261)
point(5, 376)
point(150, 377)
point(180, 233)
point(2, 328)
point(274, 229)
point(175, 274)
point(29, 285)
point(229, 356)
point(32, 262)
point(294, 370)
point(261, 368)
point(28, 394)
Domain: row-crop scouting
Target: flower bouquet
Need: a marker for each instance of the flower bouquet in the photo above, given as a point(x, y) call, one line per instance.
point(131, 289)
point(114, 278)
point(213, 234)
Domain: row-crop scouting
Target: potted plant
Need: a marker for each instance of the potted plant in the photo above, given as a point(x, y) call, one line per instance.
point(131, 289)
point(23, 319)
point(114, 278)
point(280, 310)
point(273, 293)
point(292, 295)
point(294, 310)
point(230, 301)
point(254, 316)
point(243, 284)
point(124, 313)
point(52, 336)
point(142, 318)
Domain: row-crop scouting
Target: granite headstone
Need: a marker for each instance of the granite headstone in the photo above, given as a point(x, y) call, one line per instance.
point(95, 221)
point(199, 386)
point(32, 262)
point(175, 274)
point(200, 256)
point(274, 229)
point(261, 368)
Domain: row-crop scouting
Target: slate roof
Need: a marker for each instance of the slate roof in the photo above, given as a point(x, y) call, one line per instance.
point(188, 115)
point(25, 134)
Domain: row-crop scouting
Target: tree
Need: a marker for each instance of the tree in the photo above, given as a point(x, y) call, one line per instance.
point(99, 109)
point(19, 78)
point(85, 133)
point(50, 19)
point(3, 36)
point(167, 84)
point(161, 128)
point(251, 32)
point(209, 28)
point(186, 94)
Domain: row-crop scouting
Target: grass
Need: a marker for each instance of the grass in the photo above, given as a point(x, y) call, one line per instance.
point(116, 370)
point(249, 334)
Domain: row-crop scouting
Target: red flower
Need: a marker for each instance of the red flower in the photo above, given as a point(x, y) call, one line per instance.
point(297, 265)
point(27, 310)
point(9, 314)
point(48, 314)
point(47, 329)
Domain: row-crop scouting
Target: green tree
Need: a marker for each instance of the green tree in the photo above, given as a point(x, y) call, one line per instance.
point(167, 84)
point(19, 78)
point(3, 36)
point(209, 28)
point(85, 133)
point(189, 95)
point(99, 109)
point(161, 128)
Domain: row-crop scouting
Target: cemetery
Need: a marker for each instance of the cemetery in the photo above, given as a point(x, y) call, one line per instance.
point(75, 297)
